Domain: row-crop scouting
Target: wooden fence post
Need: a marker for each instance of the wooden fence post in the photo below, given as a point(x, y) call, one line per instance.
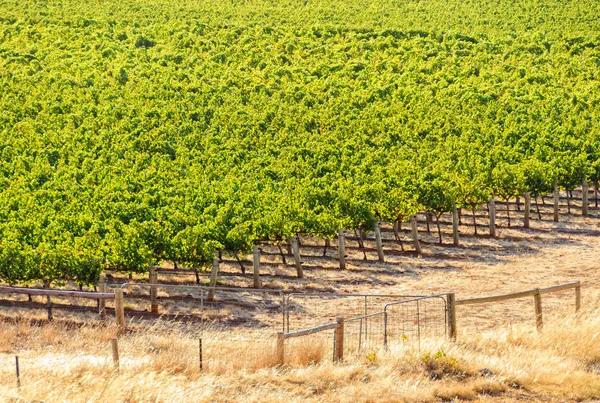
point(451, 301)
point(492, 209)
point(339, 339)
point(296, 253)
point(153, 278)
point(101, 301)
point(379, 243)
point(280, 348)
point(556, 194)
point(213, 278)
point(48, 300)
point(256, 266)
point(120, 309)
point(455, 237)
point(539, 321)
point(115, 353)
point(415, 234)
point(584, 203)
point(342, 249)
point(527, 210)
point(577, 298)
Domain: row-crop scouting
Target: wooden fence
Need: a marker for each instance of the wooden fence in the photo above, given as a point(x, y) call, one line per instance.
point(117, 295)
point(536, 293)
point(450, 306)
point(337, 326)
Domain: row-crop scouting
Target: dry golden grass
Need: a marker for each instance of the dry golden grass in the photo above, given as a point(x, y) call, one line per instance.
point(74, 364)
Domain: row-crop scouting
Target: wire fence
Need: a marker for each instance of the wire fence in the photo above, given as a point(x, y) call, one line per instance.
point(364, 333)
point(408, 322)
point(304, 310)
point(258, 314)
point(237, 326)
point(219, 307)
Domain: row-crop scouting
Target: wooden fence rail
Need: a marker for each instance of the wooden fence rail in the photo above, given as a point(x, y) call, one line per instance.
point(522, 294)
point(338, 326)
point(117, 296)
point(57, 293)
point(535, 293)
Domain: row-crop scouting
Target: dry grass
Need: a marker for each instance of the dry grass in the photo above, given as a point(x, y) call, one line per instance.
point(74, 364)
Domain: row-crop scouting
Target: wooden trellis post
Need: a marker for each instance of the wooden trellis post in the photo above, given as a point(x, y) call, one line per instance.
point(584, 195)
point(342, 249)
point(379, 243)
point(492, 208)
point(213, 279)
point(296, 253)
point(101, 301)
point(256, 266)
point(527, 210)
point(415, 234)
point(153, 277)
point(556, 194)
point(455, 236)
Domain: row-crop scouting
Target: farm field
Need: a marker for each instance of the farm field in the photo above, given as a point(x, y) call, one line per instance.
point(345, 200)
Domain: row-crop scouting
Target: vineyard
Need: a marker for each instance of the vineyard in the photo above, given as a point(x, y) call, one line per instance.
point(285, 200)
point(138, 133)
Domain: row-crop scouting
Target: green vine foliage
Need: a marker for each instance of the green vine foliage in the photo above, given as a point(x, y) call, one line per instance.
point(132, 133)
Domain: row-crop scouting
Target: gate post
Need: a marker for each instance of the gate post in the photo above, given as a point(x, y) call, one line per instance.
point(339, 339)
point(451, 301)
point(537, 297)
point(280, 348)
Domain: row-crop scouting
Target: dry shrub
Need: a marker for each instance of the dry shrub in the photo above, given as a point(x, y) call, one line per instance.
point(440, 366)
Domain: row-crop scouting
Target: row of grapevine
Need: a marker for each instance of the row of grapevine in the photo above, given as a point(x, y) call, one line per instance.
point(132, 134)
